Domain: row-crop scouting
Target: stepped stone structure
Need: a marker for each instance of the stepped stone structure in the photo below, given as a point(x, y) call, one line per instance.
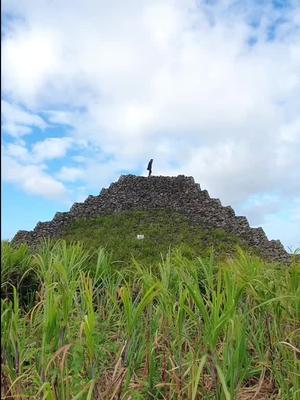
point(179, 193)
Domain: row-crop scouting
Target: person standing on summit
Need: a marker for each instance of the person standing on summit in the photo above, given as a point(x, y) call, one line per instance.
point(149, 168)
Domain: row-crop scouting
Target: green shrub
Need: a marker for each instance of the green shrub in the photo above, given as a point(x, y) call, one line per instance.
point(16, 272)
point(184, 327)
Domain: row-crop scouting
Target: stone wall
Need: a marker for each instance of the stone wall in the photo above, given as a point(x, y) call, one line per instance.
point(179, 193)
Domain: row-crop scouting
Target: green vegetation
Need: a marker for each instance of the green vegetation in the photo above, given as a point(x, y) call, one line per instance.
point(180, 328)
point(162, 229)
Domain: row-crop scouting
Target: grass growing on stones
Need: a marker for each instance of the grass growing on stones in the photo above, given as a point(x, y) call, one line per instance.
point(162, 229)
point(180, 328)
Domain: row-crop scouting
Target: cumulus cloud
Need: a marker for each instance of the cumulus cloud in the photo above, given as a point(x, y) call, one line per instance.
point(18, 122)
point(209, 89)
point(32, 179)
point(51, 148)
point(18, 151)
point(61, 117)
point(70, 174)
point(42, 150)
point(26, 167)
point(30, 60)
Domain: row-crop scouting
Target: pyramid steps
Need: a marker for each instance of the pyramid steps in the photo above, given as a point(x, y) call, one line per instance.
point(179, 194)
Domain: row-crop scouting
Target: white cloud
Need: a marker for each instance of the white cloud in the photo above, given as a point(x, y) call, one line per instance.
point(61, 117)
point(31, 59)
point(51, 148)
point(70, 174)
point(17, 151)
point(17, 121)
point(32, 179)
point(43, 150)
point(290, 132)
point(27, 169)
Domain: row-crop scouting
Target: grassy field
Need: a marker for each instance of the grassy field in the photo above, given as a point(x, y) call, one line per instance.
point(161, 228)
point(77, 324)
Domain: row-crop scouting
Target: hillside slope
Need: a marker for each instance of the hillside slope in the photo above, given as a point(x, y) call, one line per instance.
point(163, 230)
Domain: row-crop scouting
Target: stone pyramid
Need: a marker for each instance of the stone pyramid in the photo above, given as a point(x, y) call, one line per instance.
point(179, 193)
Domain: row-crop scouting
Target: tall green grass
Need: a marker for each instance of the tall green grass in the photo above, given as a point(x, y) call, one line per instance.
point(178, 329)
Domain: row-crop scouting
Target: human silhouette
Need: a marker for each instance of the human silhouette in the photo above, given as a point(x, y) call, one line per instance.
point(149, 168)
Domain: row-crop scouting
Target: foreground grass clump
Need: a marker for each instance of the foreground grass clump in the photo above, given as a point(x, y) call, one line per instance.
point(161, 228)
point(179, 329)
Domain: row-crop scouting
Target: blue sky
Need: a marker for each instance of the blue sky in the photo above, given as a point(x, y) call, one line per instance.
point(206, 88)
